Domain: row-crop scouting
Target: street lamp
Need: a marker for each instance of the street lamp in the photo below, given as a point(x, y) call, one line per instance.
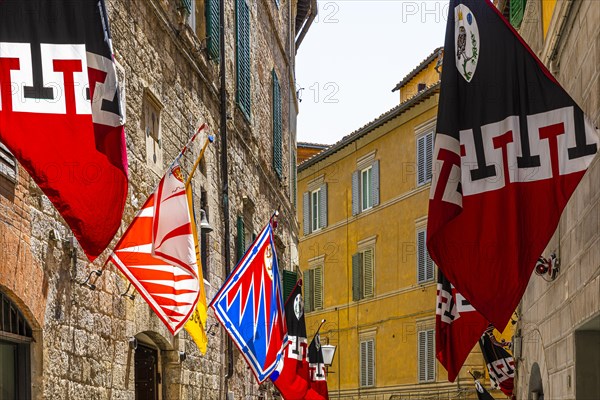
point(328, 353)
point(204, 225)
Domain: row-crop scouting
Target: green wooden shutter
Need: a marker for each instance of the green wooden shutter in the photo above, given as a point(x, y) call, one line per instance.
point(277, 134)
point(318, 288)
point(213, 37)
point(306, 212)
point(241, 240)
point(187, 6)
point(355, 193)
point(517, 10)
point(243, 56)
point(357, 277)
point(308, 290)
point(289, 281)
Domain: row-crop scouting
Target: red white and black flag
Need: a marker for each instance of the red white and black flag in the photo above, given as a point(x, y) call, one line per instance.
point(510, 149)
point(60, 113)
point(291, 375)
point(300, 374)
point(458, 327)
point(318, 374)
point(500, 363)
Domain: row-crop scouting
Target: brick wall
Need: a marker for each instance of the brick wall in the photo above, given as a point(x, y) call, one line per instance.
point(81, 348)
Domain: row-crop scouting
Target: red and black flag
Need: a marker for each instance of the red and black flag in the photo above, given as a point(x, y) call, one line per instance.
point(291, 375)
point(500, 363)
point(458, 327)
point(511, 147)
point(318, 374)
point(60, 113)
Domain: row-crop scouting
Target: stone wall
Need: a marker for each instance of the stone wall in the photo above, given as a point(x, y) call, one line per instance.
point(81, 336)
point(552, 312)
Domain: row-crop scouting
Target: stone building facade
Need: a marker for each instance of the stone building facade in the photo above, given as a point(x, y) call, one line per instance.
point(559, 323)
point(65, 341)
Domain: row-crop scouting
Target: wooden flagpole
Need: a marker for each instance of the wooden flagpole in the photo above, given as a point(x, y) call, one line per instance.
point(209, 139)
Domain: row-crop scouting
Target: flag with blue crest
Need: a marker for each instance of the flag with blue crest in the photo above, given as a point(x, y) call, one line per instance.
point(249, 305)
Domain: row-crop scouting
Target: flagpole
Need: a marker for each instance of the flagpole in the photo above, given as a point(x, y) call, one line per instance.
point(319, 328)
point(209, 139)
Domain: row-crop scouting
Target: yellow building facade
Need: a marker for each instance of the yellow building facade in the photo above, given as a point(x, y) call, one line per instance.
point(362, 208)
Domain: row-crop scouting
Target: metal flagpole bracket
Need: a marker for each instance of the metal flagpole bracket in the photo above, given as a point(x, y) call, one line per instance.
point(87, 283)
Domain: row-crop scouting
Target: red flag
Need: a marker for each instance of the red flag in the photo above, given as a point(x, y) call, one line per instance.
point(291, 374)
point(60, 113)
point(157, 253)
point(458, 327)
point(511, 147)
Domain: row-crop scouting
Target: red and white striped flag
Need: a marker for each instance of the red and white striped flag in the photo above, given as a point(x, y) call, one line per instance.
point(157, 252)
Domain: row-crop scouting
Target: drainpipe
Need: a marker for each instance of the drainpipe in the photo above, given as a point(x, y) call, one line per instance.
point(225, 169)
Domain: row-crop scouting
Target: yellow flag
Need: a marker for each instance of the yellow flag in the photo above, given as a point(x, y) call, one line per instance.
point(196, 325)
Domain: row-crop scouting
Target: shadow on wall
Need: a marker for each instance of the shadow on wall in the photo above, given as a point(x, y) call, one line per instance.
point(536, 390)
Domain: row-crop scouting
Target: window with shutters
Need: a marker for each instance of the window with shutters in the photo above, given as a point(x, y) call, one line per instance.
point(424, 158)
point(363, 270)
point(367, 362)
point(243, 93)
point(313, 288)
point(425, 266)
point(365, 184)
point(426, 348)
point(315, 207)
point(277, 128)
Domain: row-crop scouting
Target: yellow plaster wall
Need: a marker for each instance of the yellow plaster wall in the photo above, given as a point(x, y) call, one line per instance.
point(428, 76)
point(547, 11)
point(399, 305)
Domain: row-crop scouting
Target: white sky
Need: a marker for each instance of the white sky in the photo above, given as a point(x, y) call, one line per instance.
point(354, 54)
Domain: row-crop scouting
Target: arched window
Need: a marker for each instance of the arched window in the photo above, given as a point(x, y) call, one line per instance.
point(15, 360)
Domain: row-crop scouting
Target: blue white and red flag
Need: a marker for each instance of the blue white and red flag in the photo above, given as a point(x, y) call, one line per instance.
point(249, 305)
